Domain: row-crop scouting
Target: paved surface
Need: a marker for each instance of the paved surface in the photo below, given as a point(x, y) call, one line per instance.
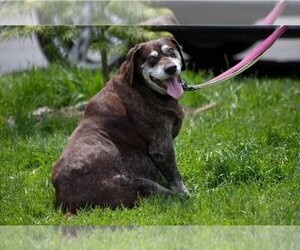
point(17, 54)
point(20, 54)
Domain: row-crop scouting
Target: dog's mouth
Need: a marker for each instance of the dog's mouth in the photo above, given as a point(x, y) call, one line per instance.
point(171, 85)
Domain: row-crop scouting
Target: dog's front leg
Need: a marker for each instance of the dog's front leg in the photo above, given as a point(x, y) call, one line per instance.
point(162, 153)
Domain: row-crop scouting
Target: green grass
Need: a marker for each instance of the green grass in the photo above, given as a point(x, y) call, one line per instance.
point(239, 160)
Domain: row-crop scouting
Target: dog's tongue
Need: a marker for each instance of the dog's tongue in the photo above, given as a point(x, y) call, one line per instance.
point(174, 88)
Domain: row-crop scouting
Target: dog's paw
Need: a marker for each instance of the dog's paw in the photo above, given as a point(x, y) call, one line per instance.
point(179, 187)
point(186, 191)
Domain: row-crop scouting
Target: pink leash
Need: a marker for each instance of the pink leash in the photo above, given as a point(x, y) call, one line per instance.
point(275, 12)
point(253, 56)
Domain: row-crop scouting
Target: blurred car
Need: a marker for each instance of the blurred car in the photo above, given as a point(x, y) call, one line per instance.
point(212, 32)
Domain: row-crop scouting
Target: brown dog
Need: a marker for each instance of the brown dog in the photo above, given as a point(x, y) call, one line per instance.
point(125, 137)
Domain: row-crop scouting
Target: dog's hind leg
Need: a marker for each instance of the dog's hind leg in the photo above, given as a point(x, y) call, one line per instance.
point(146, 187)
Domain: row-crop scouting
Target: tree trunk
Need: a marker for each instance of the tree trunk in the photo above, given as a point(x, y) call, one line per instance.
point(103, 50)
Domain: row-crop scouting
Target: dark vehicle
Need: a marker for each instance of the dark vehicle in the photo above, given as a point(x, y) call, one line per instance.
point(213, 32)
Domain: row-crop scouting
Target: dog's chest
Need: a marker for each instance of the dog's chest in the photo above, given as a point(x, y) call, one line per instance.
point(154, 115)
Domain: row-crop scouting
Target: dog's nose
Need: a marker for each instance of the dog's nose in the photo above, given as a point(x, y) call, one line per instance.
point(171, 69)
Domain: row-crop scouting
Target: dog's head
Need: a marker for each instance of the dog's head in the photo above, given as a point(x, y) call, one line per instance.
point(159, 63)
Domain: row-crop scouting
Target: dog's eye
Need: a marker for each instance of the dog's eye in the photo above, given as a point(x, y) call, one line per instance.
point(171, 52)
point(152, 60)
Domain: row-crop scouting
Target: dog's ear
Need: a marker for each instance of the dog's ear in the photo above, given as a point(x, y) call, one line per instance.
point(183, 67)
point(130, 62)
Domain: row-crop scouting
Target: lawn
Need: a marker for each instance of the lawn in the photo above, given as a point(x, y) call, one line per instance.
point(239, 159)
